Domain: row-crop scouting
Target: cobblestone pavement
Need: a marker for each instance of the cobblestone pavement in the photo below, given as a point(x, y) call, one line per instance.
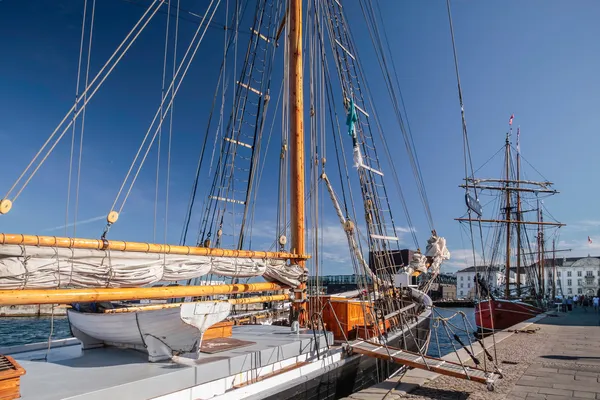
point(514, 356)
point(559, 361)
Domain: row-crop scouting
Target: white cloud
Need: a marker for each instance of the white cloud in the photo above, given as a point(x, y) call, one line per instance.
point(579, 248)
point(583, 225)
point(459, 259)
point(83, 222)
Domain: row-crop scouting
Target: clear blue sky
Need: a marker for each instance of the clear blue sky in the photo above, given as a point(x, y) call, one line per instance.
point(536, 59)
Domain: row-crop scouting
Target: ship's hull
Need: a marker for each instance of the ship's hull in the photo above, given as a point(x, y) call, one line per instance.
point(357, 373)
point(494, 315)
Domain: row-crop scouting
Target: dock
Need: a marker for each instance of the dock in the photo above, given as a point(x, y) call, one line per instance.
point(37, 310)
point(554, 356)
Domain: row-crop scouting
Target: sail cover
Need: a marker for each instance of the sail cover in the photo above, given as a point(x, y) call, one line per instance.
point(32, 267)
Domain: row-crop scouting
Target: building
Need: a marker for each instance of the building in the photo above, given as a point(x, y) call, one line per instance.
point(333, 284)
point(570, 276)
point(573, 275)
point(465, 280)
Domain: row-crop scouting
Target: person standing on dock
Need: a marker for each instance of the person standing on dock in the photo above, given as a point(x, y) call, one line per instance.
point(570, 304)
point(596, 301)
point(575, 300)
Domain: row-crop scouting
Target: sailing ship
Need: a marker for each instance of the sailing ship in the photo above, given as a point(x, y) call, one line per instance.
point(523, 294)
point(196, 347)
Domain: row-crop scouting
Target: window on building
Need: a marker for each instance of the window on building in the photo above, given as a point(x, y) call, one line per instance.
point(462, 278)
point(558, 274)
point(570, 291)
point(568, 273)
point(461, 285)
point(569, 282)
point(589, 273)
point(578, 273)
point(549, 274)
point(579, 282)
point(461, 292)
point(468, 285)
point(580, 291)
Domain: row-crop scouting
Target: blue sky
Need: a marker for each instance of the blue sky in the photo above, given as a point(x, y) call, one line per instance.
point(535, 59)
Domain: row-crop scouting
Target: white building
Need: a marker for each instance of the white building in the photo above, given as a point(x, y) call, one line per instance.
point(465, 280)
point(574, 275)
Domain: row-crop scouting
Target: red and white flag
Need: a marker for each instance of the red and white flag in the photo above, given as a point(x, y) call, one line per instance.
point(589, 240)
point(510, 119)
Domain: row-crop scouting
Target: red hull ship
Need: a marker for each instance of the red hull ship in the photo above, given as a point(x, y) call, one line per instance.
point(493, 315)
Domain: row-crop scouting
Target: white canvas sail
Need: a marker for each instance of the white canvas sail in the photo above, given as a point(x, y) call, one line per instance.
point(32, 267)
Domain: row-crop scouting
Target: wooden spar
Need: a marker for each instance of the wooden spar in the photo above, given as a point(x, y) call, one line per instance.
point(507, 288)
point(517, 181)
point(241, 300)
point(97, 244)
point(297, 146)
point(87, 295)
point(504, 221)
point(513, 189)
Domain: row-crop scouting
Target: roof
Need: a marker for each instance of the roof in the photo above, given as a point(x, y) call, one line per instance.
point(548, 262)
point(479, 268)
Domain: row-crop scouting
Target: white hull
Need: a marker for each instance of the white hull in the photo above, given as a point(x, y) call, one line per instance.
point(162, 333)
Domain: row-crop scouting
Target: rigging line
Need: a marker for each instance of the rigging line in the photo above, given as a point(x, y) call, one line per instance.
point(175, 44)
point(253, 179)
point(409, 142)
point(87, 78)
point(225, 177)
point(403, 106)
point(194, 17)
point(358, 71)
point(220, 128)
point(162, 96)
point(83, 24)
point(467, 148)
point(168, 106)
point(501, 149)
point(86, 99)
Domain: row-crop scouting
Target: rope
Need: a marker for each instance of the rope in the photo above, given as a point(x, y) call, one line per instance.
point(86, 98)
point(176, 41)
point(162, 96)
point(172, 98)
point(83, 24)
point(87, 78)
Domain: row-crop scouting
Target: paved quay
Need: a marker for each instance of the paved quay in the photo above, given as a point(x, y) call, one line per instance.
point(559, 359)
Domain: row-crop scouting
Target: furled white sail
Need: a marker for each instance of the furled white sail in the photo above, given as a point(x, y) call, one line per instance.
point(436, 249)
point(31, 267)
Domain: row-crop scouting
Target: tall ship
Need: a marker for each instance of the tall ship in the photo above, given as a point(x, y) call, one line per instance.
point(511, 244)
point(163, 319)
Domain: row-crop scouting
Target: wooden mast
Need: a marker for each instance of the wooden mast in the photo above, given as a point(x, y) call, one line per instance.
point(297, 146)
point(507, 288)
point(518, 215)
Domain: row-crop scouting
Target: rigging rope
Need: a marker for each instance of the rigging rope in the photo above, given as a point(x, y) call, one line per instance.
point(83, 25)
point(126, 43)
point(172, 98)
